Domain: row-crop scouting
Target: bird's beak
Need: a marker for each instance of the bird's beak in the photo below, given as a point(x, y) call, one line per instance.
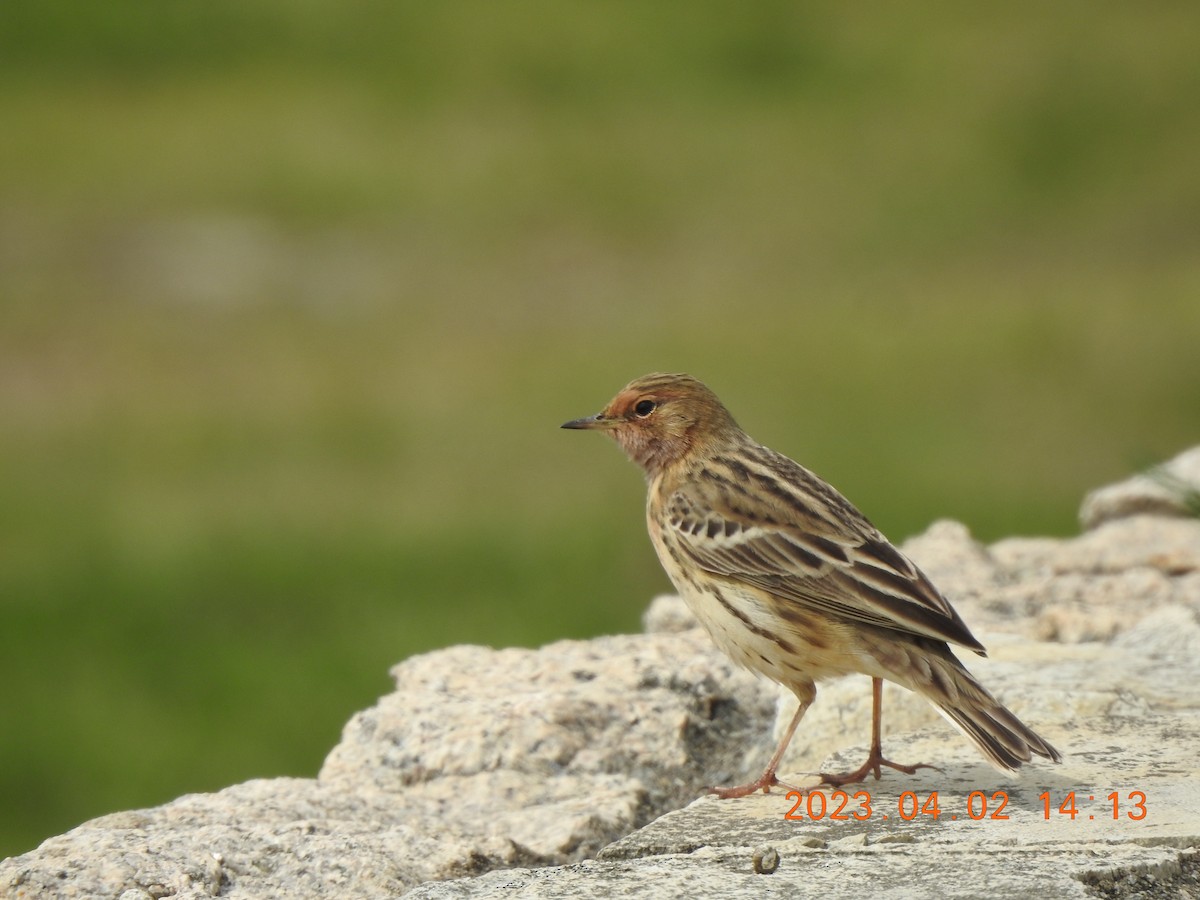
point(592, 423)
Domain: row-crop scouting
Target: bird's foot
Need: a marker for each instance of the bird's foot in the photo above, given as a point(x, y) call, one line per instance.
point(872, 765)
point(763, 783)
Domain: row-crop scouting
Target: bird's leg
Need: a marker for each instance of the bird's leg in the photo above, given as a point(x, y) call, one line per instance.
point(875, 758)
point(767, 779)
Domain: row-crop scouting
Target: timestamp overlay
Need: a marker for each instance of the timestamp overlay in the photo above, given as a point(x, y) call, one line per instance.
point(1135, 785)
point(992, 805)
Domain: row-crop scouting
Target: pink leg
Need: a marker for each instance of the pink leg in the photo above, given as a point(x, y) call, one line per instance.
point(767, 779)
point(875, 757)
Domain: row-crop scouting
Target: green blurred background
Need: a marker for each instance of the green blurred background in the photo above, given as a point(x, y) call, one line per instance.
point(294, 296)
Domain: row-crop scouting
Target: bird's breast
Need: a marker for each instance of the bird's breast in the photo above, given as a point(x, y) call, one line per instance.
point(743, 622)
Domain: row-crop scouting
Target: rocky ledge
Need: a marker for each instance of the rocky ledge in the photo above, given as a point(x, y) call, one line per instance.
point(574, 770)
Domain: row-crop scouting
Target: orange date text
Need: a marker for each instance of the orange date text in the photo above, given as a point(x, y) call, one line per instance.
point(843, 806)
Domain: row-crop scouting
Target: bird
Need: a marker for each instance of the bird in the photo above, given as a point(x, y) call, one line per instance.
point(791, 581)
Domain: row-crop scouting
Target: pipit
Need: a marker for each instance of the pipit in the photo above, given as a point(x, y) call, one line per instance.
point(791, 580)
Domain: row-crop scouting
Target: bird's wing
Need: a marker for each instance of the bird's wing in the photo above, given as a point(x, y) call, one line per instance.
point(800, 541)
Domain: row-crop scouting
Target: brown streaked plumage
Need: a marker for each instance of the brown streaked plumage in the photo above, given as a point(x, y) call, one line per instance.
point(790, 580)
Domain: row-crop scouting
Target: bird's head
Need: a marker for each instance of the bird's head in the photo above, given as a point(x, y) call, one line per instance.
point(660, 420)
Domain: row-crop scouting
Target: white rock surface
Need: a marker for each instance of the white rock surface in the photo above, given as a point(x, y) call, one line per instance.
point(1171, 489)
point(1128, 716)
point(480, 759)
point(561, 772)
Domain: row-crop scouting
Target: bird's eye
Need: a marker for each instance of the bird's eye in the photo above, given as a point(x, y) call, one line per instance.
point(644, 408)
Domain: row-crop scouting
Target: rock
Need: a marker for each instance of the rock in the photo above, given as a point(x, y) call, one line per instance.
point(480, 759)
point(1171, 489)
point(573, 770)
point(557, 750)
point(1089, 587)
point(668, 614)
point(1127, 716)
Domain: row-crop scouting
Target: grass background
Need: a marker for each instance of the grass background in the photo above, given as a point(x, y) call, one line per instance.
point(294, 295)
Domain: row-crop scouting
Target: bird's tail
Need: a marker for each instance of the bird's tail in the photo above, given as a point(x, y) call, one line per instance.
point(1004, 739)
